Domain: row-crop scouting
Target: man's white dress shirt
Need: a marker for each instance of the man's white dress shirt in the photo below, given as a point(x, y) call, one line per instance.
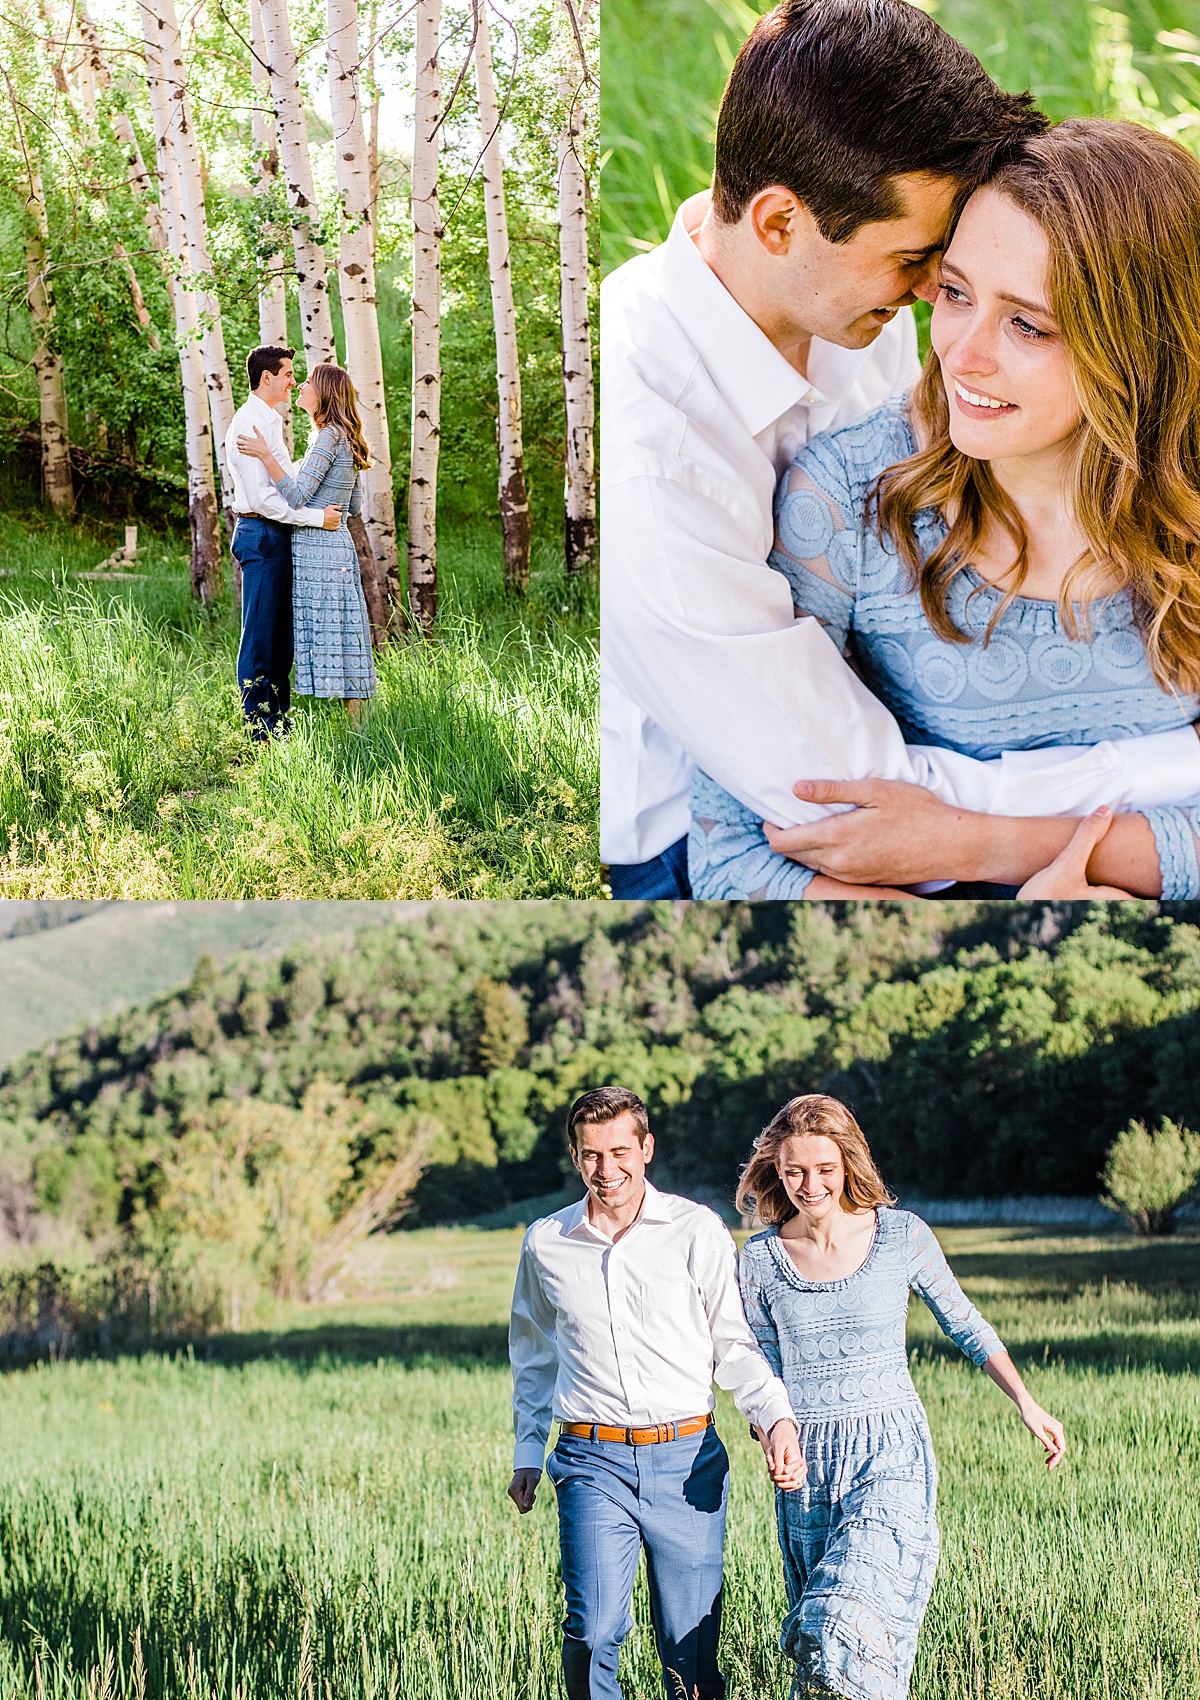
point(702, 659)
point(253, 491)
point(631, 1332)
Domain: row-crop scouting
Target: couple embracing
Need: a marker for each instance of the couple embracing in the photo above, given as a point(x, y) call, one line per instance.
point(302, 596)
point(868, 626)
point(627, 1306)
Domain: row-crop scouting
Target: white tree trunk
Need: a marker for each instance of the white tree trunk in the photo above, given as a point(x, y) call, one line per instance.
point(356, 282)
point(272, 288)
point(514, 499)
point(578, 399)
point(57, 482)
point(165, 67)
point(315, 318)
point(202, 496)
point(135, 165)
point(426, 322)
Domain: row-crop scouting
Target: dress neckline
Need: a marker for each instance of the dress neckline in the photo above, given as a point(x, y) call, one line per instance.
point(775, 1241)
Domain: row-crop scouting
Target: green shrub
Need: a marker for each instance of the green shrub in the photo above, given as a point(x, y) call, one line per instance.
point(1148, 1175)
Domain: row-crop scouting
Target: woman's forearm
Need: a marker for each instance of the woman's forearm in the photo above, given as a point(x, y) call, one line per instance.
point(1008, 850)
point(274, 471)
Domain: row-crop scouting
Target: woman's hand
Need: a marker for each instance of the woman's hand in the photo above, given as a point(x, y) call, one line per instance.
point(785, 1462)
point(255, 447)
point(1045, 1428)
point(1067, 875)
point(896, 834)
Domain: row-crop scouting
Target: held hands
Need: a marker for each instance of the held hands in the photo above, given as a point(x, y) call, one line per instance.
point(781, 1448)
point(522, 1488)
point(1047, 1429)
point(1067, 874)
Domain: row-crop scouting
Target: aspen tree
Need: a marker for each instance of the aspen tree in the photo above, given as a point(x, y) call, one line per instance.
point(272, 289)
point(315, 319)
point(578, 399)
point(202, 496)
point(165, 66)
point(514, 500)
point(426, 322)
point(356, 282)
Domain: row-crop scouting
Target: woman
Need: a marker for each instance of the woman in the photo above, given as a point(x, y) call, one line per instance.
point(1012, 556)
point(329, 611)
point(825, 1290)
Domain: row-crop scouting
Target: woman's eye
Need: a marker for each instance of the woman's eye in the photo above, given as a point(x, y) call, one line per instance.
point(952, 294)
point(1028, 330)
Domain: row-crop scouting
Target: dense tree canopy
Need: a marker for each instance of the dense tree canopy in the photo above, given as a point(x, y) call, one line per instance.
point(986, 1048)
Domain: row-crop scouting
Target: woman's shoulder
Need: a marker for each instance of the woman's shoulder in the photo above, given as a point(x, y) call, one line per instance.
point(846, 458)
point(902, 1226)
point(756, 1251)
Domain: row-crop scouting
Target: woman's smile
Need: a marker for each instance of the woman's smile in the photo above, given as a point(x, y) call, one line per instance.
point(977, 405)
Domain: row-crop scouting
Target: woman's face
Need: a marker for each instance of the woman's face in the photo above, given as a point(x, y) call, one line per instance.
point(1008, 381)
point(307, 396)
point(813, 1175)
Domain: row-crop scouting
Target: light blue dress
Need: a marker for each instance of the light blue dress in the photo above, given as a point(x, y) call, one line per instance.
point(1031, 686)
point(860, 1539)
point(329, 612)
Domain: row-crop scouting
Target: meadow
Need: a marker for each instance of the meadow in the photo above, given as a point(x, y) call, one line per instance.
point(317, 1509)
point(126, 772)
point(666, 61)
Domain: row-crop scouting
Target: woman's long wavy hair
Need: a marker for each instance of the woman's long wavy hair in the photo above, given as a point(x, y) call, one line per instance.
point(760, 1187)
point(338, 405)
point(1119, 206)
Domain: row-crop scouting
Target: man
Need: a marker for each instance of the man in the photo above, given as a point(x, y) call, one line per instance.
point(262, 543)
point(849, 134)
point(626, 1304)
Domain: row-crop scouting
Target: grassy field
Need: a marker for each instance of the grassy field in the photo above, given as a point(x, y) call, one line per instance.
point(318, 1510)
point(666, 61)
point(125, 770)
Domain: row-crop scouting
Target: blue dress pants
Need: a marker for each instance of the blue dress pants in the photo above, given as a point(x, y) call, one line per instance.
point(614, 1502)
point(664, 875)
point(264, 550)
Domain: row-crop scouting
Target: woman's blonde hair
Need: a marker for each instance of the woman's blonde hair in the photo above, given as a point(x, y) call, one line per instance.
point(1120, 210)
point(760, 1187)
point(337, 404)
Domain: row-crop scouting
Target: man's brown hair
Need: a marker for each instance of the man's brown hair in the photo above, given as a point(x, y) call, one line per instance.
point(605, 1104)
point(260, 360)
point(834, 99)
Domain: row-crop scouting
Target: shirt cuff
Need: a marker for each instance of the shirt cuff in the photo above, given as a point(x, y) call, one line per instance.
point(775, 1408)
point(528, 1455)
point(316, 516)
point(1164, 767)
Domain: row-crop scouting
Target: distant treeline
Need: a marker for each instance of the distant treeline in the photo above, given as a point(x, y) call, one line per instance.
point(986, 1048)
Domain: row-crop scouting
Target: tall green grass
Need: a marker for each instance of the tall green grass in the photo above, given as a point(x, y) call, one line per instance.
point(319, 1511)
point(125, 769)
point(666, 61)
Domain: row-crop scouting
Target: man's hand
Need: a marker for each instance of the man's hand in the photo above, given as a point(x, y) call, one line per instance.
point(1067, 874)
point(896, 834)
point(333, 519)
point(522, 1488)
point(781, 1448)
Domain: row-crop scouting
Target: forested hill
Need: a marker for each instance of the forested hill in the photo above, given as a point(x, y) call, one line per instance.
point(986, 1048)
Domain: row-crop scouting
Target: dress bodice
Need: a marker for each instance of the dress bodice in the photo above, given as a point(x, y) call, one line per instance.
point(326, 477)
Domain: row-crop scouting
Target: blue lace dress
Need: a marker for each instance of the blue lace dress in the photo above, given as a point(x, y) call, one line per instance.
point(1031, 686)
point(860, 1539)
point(329, 612)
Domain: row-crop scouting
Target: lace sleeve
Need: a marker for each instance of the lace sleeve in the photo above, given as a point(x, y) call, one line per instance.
point(761, 1322)
point(356, 496)
point(817, 540)
point(310, 474)
point(1177, 840)
point(931, 1276)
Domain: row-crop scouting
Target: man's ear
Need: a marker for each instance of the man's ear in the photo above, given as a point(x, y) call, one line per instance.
point(574, 1155)
point(778, 220)
point(648, 1147)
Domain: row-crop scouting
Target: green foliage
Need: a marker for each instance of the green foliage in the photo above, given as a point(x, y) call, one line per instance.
point(666, 62)
point(329, 1498)
point(1149, 1175)
point(986, 1049)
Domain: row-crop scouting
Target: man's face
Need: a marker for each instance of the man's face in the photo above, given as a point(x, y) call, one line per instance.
point(846, 292)
point(611, 1160)
point(274, 387)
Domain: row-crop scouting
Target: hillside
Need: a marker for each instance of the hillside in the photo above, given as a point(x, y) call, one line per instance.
point(63, 964)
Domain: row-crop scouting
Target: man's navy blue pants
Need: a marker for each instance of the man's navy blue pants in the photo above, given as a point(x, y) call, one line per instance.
point(615, 1502)
point(264, 550)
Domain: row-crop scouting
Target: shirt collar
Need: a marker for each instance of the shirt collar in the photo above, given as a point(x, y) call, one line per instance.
point(261, 407)
point(743, 362)
point(654, 1209)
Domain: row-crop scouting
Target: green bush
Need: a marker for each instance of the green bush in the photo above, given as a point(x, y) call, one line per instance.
point(1149, 1175)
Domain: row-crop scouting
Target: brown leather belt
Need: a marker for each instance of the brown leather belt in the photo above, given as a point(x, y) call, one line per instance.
point(638, 1436)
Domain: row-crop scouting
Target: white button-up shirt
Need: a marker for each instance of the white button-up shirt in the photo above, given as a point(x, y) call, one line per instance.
point(631, 1332)
point(702, 658)
point(253, 491)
